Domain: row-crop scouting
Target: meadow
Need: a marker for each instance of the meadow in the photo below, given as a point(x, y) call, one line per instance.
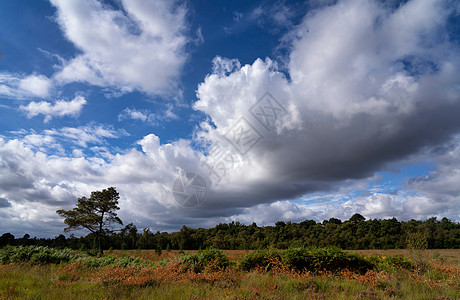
point(296, 273)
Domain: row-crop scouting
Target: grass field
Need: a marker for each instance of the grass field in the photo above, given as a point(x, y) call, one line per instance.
point(169, 280)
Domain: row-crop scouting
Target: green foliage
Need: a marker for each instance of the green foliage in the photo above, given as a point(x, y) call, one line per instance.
point(92, 252)
point(259, 259)
point(44, 255)
point(354, 234)
point(311, 259)
point(209, 259)
point(163, 262)
point(416, 243)
point(94, 213)
point(82, 247)
point(390, 263)
point(329, 258)
point(109, 260)
point(36, 255)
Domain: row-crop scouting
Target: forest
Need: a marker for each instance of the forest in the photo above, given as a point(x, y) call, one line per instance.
point(355, 233)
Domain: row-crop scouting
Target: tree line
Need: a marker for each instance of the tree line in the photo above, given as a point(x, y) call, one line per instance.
point(98, 212)
point(355, 233)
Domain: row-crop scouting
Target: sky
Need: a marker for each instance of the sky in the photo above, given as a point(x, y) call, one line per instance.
point(207, 112)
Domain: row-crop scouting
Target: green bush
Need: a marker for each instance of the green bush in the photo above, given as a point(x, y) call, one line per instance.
point(36, 255)
point(211, 259)
point(332, 259)
point(259, 259)
point(109, 260)
point(311, 259)
point(390, 263)
point(45, 255)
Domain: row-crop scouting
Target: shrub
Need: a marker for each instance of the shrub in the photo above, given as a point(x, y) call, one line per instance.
point(209, 259)
point(390, 263)
point(36, 255)
point(259, 259)
point(333, 259)
point(109, 260)
point(310, 259)
point(46, 255)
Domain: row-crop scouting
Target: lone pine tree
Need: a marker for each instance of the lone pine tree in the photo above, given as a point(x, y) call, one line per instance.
point(95, 213)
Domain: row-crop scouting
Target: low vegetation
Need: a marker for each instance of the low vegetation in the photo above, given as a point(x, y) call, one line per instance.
point(296, 273)
point(306, 259)
point(36, 255)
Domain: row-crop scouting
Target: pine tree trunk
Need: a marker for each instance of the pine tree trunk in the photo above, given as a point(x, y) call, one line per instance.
point(99, 240)
point(101, 252)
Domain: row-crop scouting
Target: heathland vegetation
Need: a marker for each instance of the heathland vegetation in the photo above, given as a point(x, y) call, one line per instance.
point(37, 272)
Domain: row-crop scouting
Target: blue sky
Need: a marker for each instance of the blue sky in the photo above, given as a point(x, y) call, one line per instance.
point(348, 106)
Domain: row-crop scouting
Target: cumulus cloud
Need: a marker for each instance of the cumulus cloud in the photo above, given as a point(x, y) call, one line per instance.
point(18, 86)
point(30, 178)
point(60, 108)
point(366, 86)
point(138, 48)
point(439, 191)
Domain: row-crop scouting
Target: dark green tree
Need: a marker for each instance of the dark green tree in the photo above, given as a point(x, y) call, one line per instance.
point(6, 239)
point(95, 213)
point(357, 218)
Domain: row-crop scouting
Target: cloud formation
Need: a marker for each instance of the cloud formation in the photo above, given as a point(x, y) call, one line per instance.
point(368, 86)
point(60, 108)
point(19, 87)
point(365, 86)
point(139, 47)
point(147, 116)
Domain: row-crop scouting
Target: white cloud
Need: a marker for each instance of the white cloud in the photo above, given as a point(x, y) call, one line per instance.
point(147, 116)
point(84, 135)
point(20, 87)
point(222, 66)
point(440, 190)
point(356, 100)
point(37, 85)
point(81, 136)
point(60, 108)
point(140, 48)
point(32, 180)
point(133, 114)
point(273, 16)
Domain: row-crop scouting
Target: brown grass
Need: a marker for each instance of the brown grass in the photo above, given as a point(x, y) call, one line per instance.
point(173, 281)
point(449, 256)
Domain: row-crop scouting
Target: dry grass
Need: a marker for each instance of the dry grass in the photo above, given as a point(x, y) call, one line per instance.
point(449, 256)
point(172, 281)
